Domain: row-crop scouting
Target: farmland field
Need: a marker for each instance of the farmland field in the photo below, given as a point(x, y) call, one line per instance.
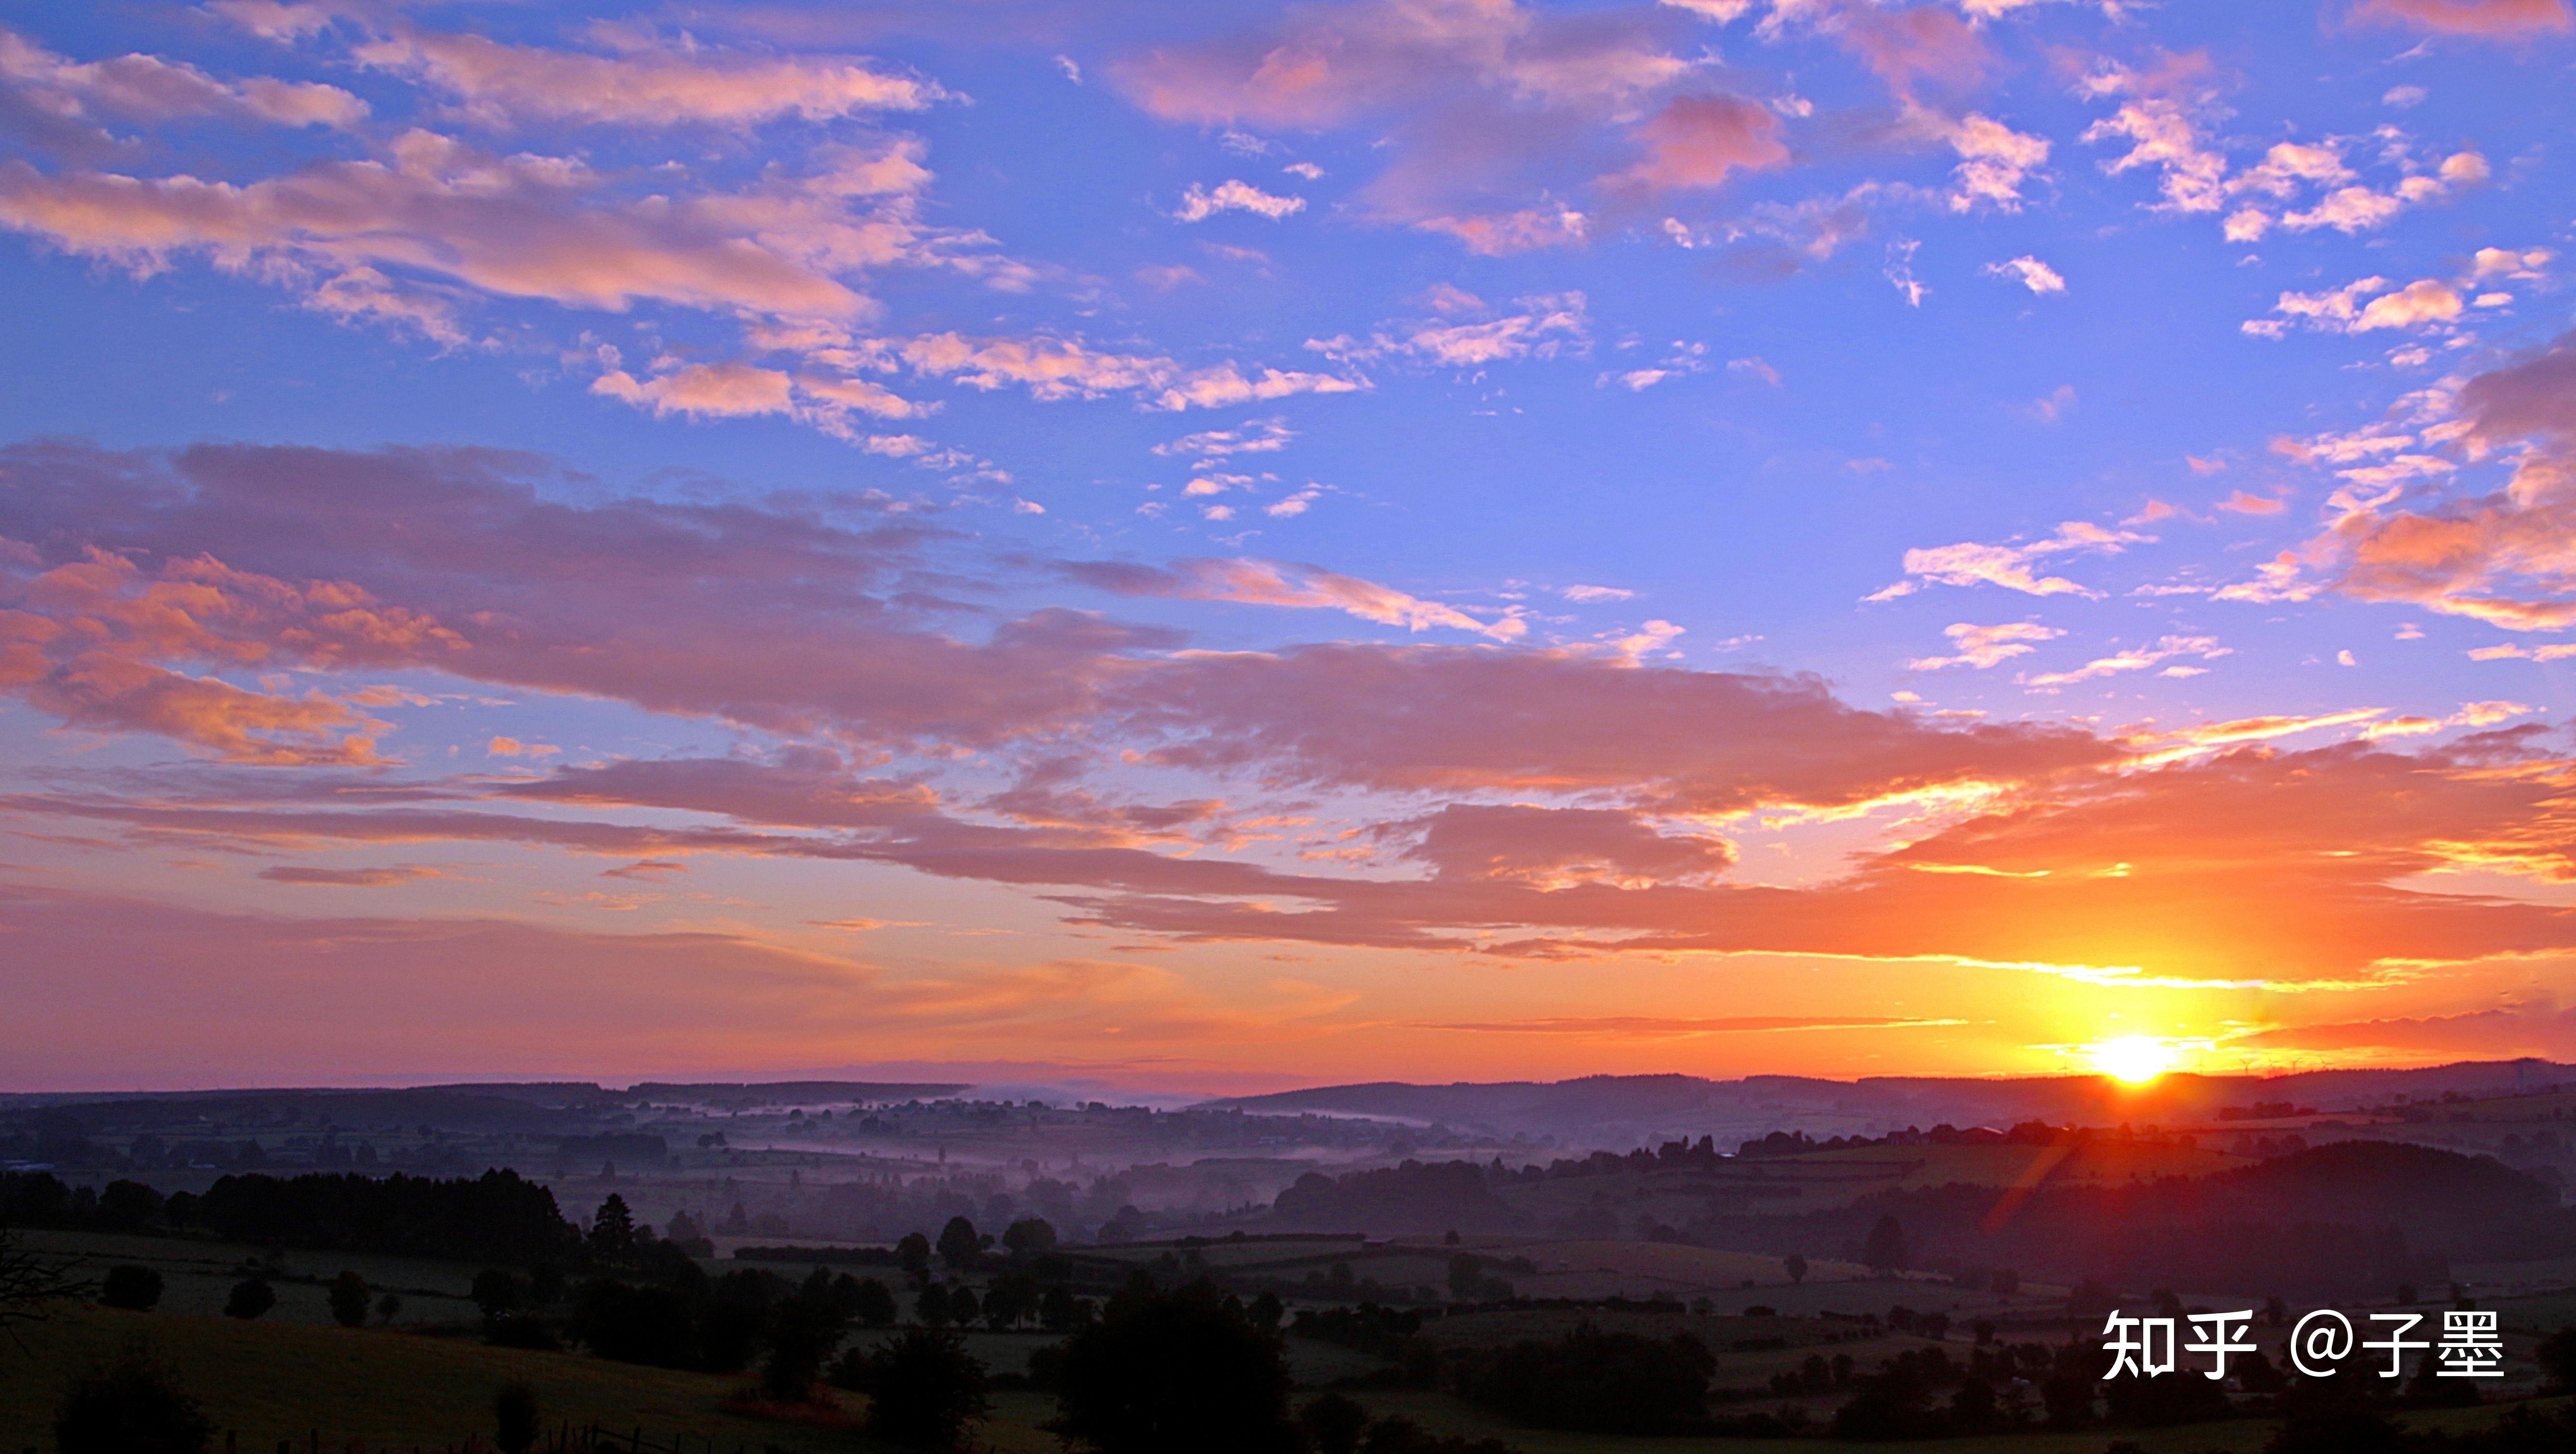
point(270, 1381)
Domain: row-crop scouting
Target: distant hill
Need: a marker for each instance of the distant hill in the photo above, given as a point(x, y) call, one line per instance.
point(530, 1107)
point(746, 1094)
point(1601, 1109)
point(463, 1107)
point(2355, 1218)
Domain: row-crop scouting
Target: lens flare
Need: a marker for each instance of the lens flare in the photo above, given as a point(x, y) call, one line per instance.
point(2134, 1059)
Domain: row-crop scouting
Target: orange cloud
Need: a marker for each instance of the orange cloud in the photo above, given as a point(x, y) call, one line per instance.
point(102, 693)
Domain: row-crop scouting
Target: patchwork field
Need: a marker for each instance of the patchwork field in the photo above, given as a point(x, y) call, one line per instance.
point(271, 1381)
point(196, 1276)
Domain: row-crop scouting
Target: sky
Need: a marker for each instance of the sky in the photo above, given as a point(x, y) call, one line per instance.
point(1214, 547)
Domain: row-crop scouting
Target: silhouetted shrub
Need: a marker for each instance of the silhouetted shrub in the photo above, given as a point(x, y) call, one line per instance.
point(250, 1298)
point(1610, 1383)
point(924, 1388)
point(132, 1405)
point(135, 1289)
point(1333, 1424)
point(1175, 1372)
point(348, 1294)
point(514, 1418)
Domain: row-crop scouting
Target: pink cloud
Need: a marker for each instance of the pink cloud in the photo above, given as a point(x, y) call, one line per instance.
point(350, 878)
point(809, 789)
point(2484, 19)
point(1698, 141)
point(499, 85)
point(1325, 65)
point(521, 227)
point(400, 996)
point(1282, 583)
point(147, 88)
point(729, 390)
point(1925, 42)
point(1420, 718)
point(756, 615)
point(2504, 557)
point(1490, 110)
point(1558, 847)
point(1065, 368)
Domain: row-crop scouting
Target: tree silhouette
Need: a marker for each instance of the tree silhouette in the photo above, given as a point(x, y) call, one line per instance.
point(131, 1405)
point(924, 1389)
point(31, 1287)
point(1885, 1249)
point(612, 1230)
point(514, 1418)
point(803, 1332)
point(913, 1252)
point(250, 1297)
point(959, 1245)
point(1333, 1423)
point(872, 1304)
point(135, 1289)
point(349, 1300)
point(1795, 1266)
point(1175, 1372)
point(1029, 1237)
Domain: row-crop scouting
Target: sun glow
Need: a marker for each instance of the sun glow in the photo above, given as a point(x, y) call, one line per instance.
point(2135, 1059)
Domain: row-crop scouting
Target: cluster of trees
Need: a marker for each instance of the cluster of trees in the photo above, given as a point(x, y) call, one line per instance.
point(1594, 1381)
point(2027, 1133)
point(924, 1389)
point(1412, 1197)
point(1926, 1394)
point(1334, 1424)
point(496, 1217)
point(714, 1325)
point(1903, 1398)
point(132, 1287)
point(646, 1301)
point(1381, 1332)
point(884, 1209)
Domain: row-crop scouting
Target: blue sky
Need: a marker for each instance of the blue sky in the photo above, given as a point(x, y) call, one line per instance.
point(1844, 447)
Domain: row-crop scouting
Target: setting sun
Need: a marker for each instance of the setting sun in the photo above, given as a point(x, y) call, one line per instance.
point(2135, 1059)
